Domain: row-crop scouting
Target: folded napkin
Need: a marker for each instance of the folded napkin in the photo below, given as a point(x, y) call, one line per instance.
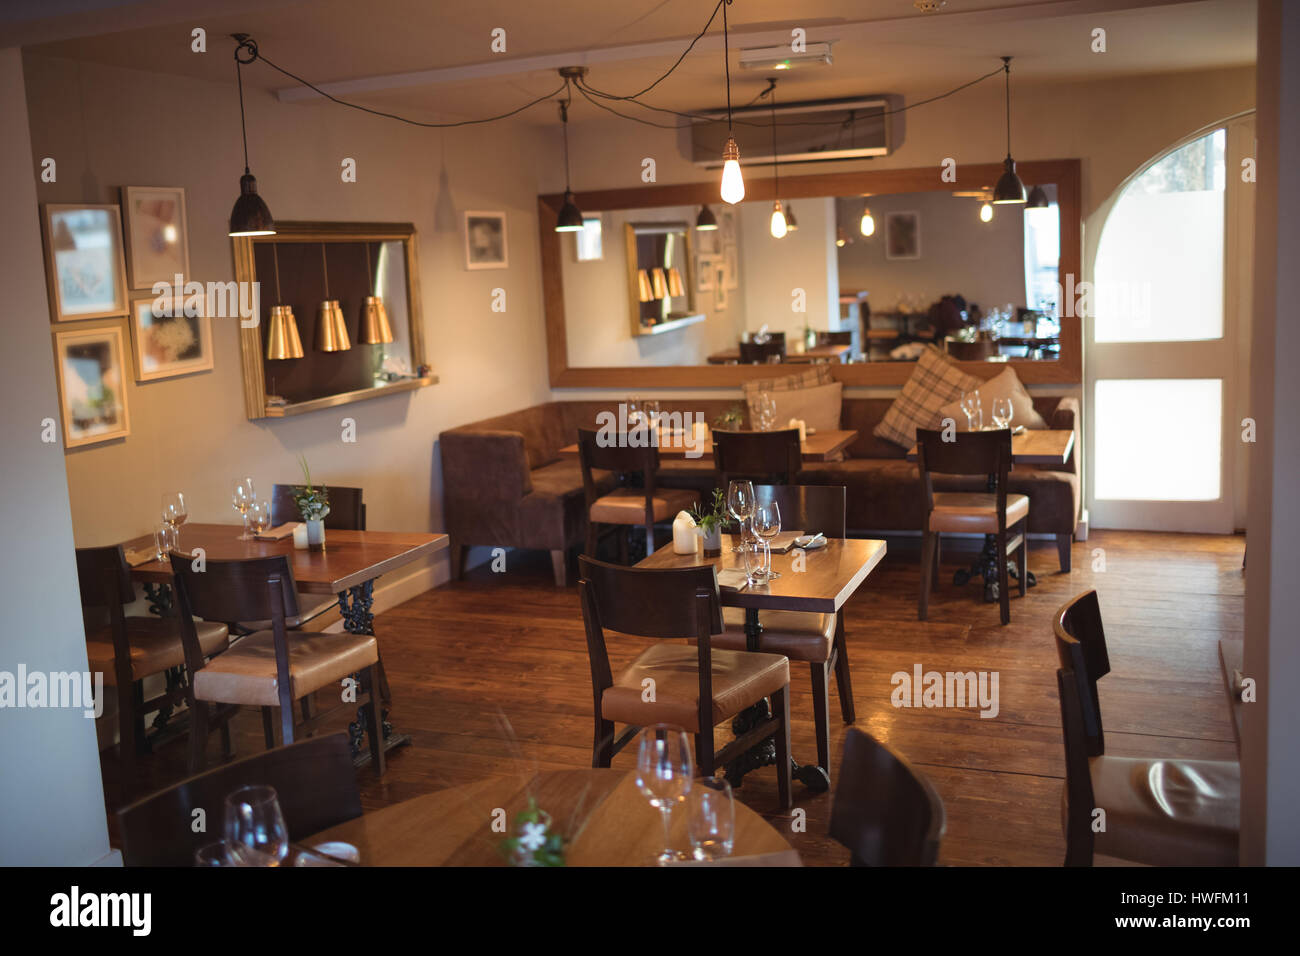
point(278, 532)
point(784, 541)
point(733, 579)
point(138, 556)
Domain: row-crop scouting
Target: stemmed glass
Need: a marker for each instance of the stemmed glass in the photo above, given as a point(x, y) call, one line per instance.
point(740, 502)
point(970, 404)
point(664, 767)
point(767, 525)
point(1002, 412)
point(242, 495)
point(175, 514)
point(256, 834)
point(766, 407)
point(711, 820)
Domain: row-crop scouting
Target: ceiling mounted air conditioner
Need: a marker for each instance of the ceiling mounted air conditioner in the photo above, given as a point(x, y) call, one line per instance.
point(783, 58)
point(811, 132)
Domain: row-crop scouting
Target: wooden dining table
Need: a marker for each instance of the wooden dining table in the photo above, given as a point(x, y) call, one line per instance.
point(826, 445)
point(604, 817)
point(348, 567)
point(818, 581)
point(818, 353)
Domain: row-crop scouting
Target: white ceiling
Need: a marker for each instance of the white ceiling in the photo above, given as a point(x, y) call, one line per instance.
point(433, 60)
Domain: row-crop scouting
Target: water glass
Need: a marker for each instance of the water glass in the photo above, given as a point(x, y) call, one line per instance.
point(970, 404)
point(765, 405)
point(259, 517)
point(767, 525)
point(165, 540)
point(213, 854)
point(1002, 412)
point(664, 767)
point(256, 833)
point(711, 818)
point(740, 502)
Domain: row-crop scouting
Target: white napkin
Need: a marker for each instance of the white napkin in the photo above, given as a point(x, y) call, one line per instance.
point(732, 578)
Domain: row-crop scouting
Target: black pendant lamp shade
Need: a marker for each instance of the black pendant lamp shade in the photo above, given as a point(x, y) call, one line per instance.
point(570, 219)
point(706, 221)
point(251, 216)
point(1009, 188)
point(1037, 198)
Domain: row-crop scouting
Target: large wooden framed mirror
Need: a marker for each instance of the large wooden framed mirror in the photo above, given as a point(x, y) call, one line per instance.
point(351, 263)
point(1016, 264)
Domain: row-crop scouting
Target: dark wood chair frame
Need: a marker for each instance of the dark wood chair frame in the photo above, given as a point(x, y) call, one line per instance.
point(884, 811)
point(314, 781)
point(255, 589)
point(629, 464)
point(774, 457)
point(347, 510)
point(971, 453)
point(105, 582)
point(667, 604)
point(760, 353)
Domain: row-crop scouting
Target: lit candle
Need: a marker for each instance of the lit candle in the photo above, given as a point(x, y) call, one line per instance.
point(300, 536)
point(684, 536)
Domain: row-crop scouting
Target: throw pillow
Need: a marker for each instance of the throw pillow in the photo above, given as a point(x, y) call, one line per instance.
point(935, 382)
point(815, 375)
point(1004, 385)
point(818, 407)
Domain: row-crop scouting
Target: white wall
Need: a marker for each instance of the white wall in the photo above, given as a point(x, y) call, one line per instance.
point(51, 798)
point(771, 269)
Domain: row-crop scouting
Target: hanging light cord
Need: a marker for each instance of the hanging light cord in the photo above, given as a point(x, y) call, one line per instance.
point(326, 267)
point(275, 255)
point(776, 175)
point(250, 46)
point(1006, 69)
point(726, 60)
point(564, 120)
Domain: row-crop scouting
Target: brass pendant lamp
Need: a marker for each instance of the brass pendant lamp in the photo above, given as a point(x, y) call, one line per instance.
point(282, 341)
point(375, 329)
point(331, 329)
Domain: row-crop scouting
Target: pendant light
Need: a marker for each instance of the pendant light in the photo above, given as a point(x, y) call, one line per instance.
point(1037, 198)
point(282, 341)
point(778, 227)
point(706, 221)
point(675, 285)
point(570, 216)
point(375, 328)
point(250, 217)
point(1009, 188)
point(331, 329)
point(842, 238)
point(986, 213)
point(733, 183)
point(791, 224)
point(644, 292)
point(867, 225)
point(659, 283)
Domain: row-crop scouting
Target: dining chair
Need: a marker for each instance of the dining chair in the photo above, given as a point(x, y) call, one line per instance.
point(315, 785)
point(126, 650)
point(692, 687)
point(995, 513)
point(834, 338)
point(637, 500)
point(817, 639)
point(773, 457)
point(762, 353)
point(884, 811)
point(1157, 811)
point(347, 513)
point(267, 669)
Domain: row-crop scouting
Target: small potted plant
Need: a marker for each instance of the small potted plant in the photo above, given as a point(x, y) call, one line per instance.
point(709, 521)
point(731, 419)
point(535, 841)
point(314, 505)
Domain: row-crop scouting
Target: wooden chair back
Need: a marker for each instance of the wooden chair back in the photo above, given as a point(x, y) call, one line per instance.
point(773, 457)
point(630, 455)
point(834, 338)
point(104, 578)
point(314, 781)
point(885, 812)
point(347, 511)
point(808, 507)
point(1081, 650)
point(761, 353)
point(969, 453)
point(1079, 796)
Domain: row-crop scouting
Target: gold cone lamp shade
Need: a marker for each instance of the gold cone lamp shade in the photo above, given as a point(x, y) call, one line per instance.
point(675, 287)
point(375, 329)
point(282, 341)
point(643, 286)
point(331, 329)
point(660, 283)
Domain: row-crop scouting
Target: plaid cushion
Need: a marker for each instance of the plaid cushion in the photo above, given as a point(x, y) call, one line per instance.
point(935, 383)
point(816, 375)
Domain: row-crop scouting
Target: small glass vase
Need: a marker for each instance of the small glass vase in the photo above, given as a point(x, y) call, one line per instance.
point(712, 543)
point(315, 534)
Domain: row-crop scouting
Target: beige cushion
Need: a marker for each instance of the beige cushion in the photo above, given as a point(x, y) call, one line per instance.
point(246, 674)
point(739, 679)
point(974, 511)
point(627, 505)
point(155, 645)
point(1168, 812)
point(799, 635)
point(809, 378)
point(1005, 385)
point(818, 407)
point(935, 382)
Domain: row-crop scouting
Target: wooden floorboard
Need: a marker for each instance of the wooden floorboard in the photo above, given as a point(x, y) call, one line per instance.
point(464, 658)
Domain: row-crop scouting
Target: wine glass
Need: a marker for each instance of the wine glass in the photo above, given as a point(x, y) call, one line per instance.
point(165, 541)
point(664, 768)
point(970, 404)
point(711, 818)
point(175, 513)
point(213, 854)
point(1002, 412)
point(767, 525)
point(740, 502)
point(766, 407)
point(256, 833)
point(242, 495)
point(259, 516)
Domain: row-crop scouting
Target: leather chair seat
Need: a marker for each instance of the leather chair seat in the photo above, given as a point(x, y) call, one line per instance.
point(627, 505)
point(1167, 812)
point(310, 606)
point(246, 674)
point(976, 512)
point(155, 645)
point(739, 680)
point(799, 635)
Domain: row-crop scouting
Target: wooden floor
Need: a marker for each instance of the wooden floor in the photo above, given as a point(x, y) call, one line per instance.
point(511, 645)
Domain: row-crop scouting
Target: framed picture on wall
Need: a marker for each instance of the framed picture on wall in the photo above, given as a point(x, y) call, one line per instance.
point(166, 341)
point(721, 299)
point(705, 274)
point(485, 240)
point(902, 235)
point(157, 234)
point(92, 386)
point(83, 261)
